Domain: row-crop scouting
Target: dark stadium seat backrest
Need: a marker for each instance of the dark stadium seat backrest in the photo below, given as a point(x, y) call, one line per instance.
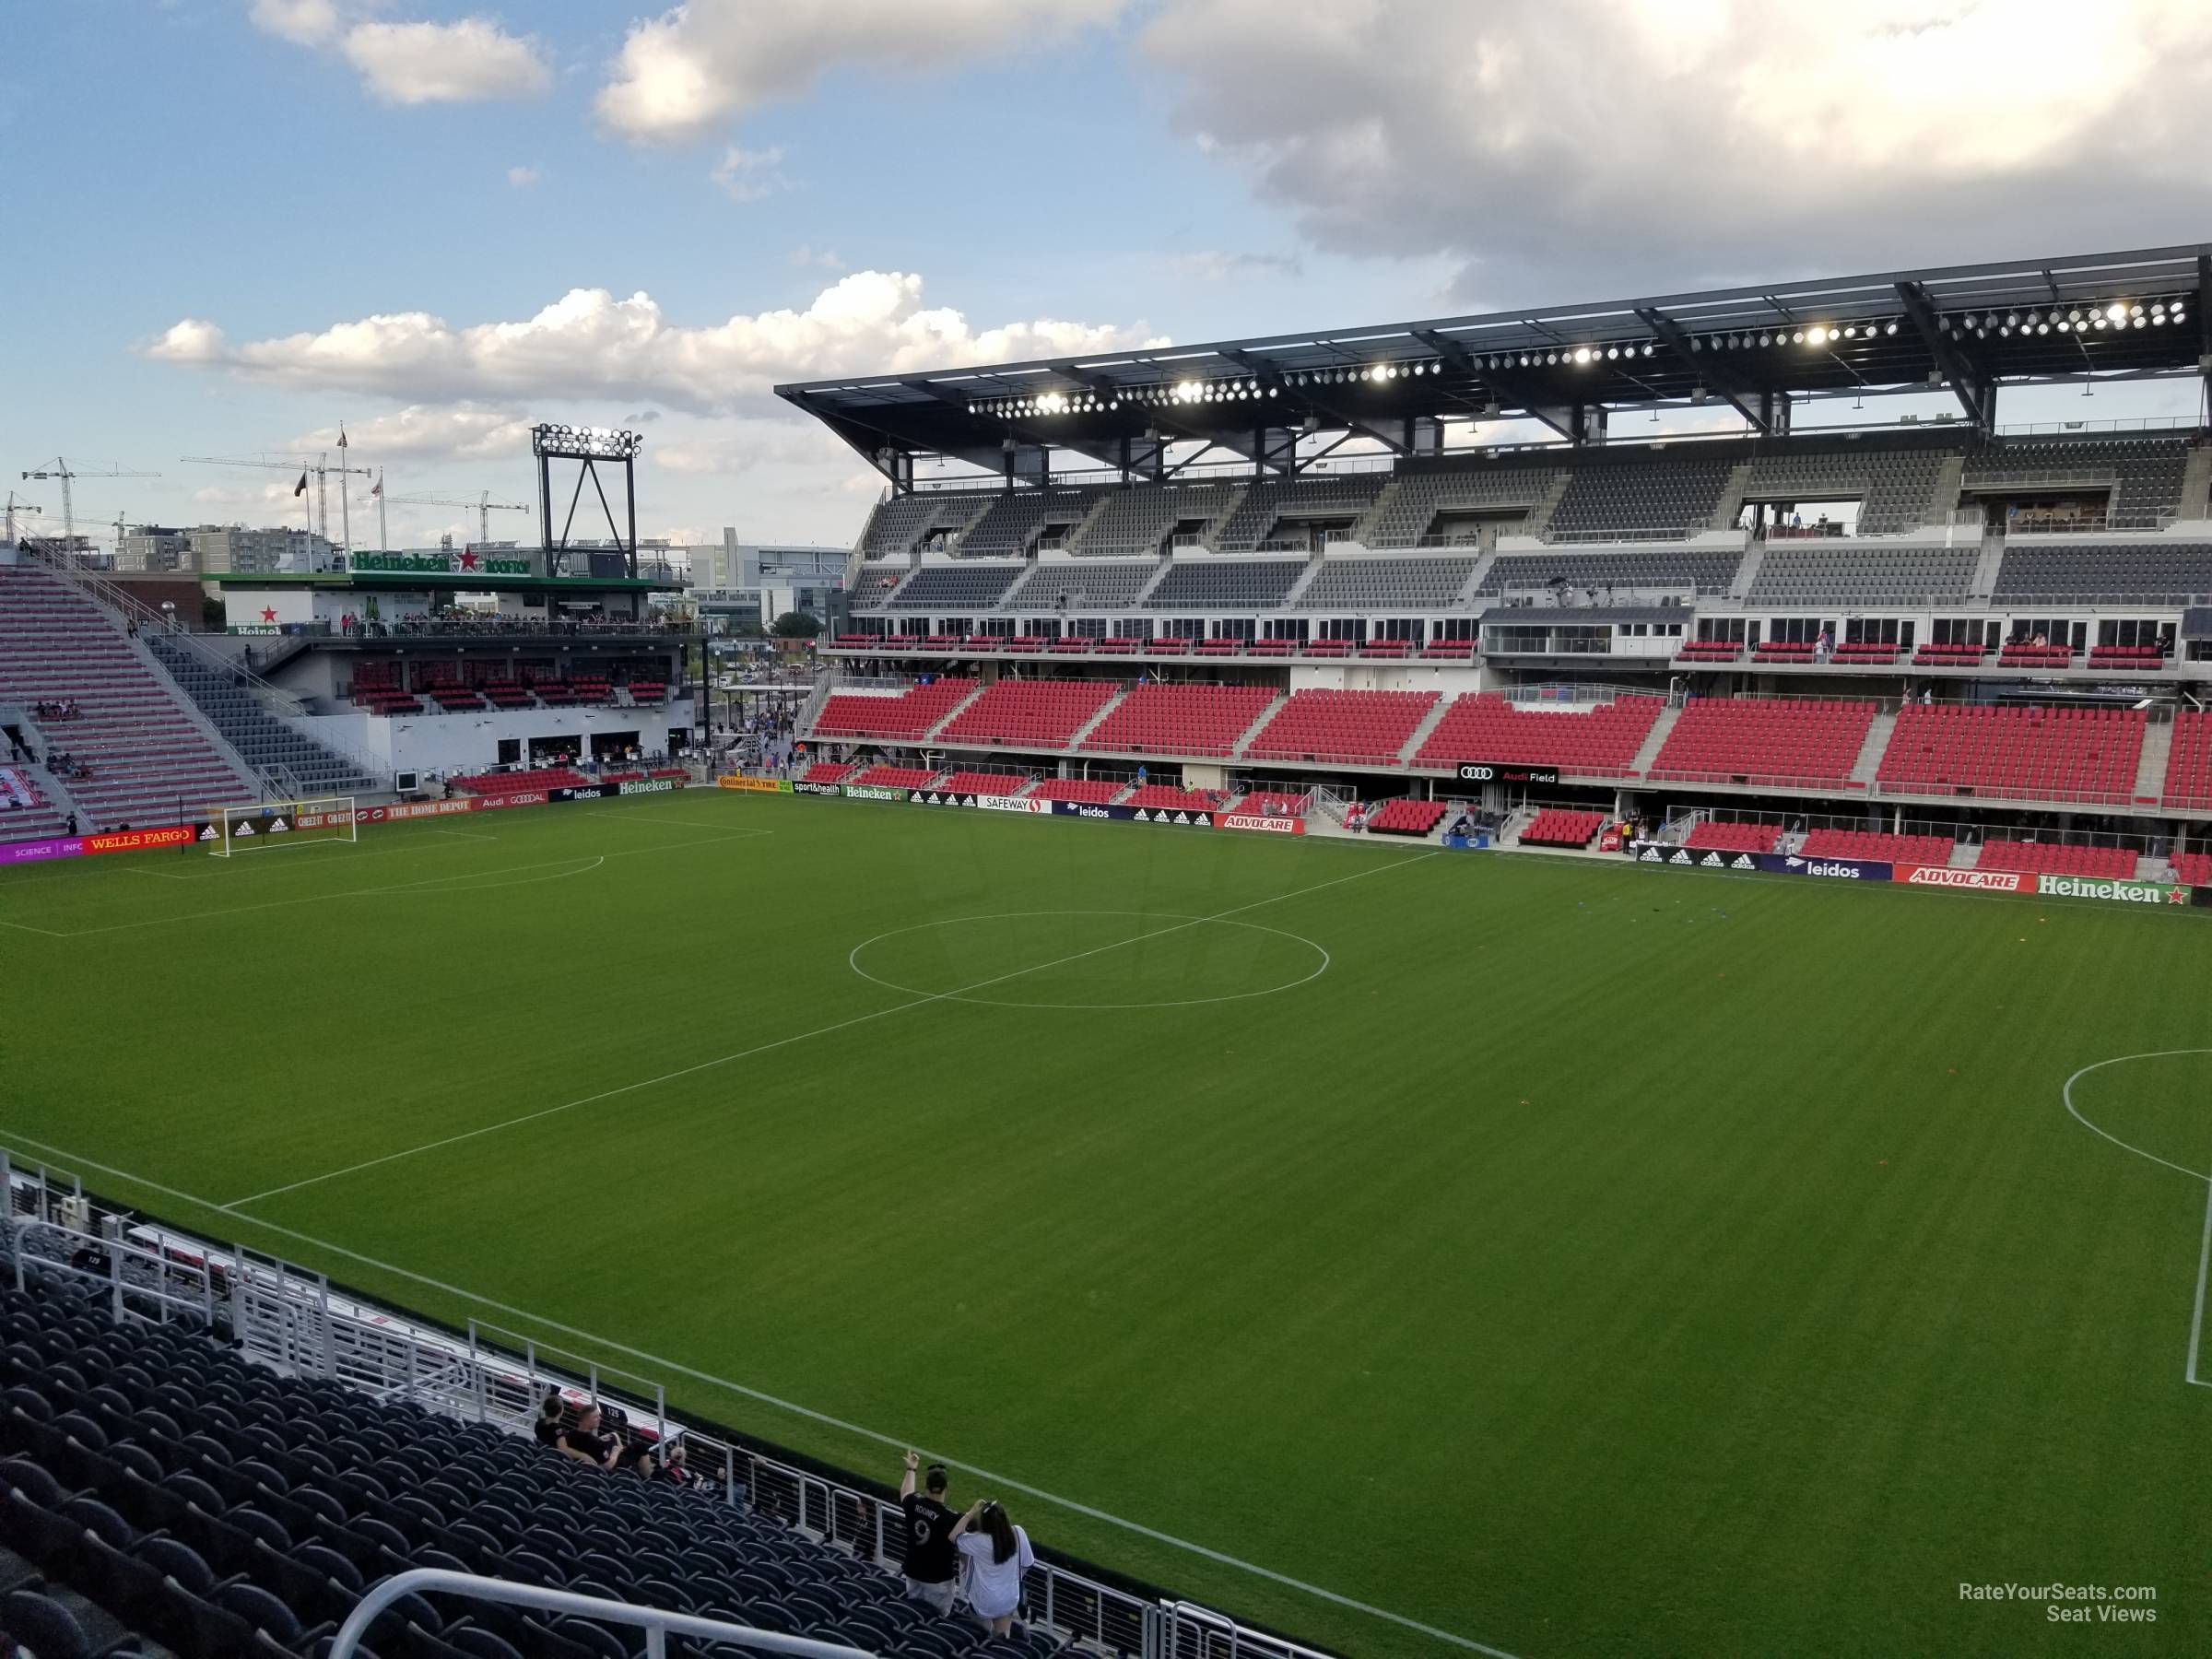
point(174, 1559)
point(32, 1481)
point(42, 1624)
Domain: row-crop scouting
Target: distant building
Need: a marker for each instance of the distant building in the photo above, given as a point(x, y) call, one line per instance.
point(734, 582)
point(154, 547)
point(233, 549)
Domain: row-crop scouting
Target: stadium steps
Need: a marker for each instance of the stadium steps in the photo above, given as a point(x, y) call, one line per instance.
point(1877, 742)
point(1073, 544)
point(1963, 855)
point(1747, 573)
point(1654, 740)
point(1305, 578)
point(1943, 498)
point(1211, 535)
point(1237, 748)
point(1429, 722)
point(2195, 501)
point(1985, 572)
point(953, 714)
point(1082, 734)
point(2158, 748)
point(1732, 496)
point(1539, 516)
point(1364, 530)
point(1481, 573)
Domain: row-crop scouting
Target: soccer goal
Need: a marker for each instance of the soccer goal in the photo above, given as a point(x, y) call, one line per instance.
point(278, 824)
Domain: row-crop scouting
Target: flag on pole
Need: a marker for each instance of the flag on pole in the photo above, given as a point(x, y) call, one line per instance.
point(377, 488)
point(300, 489)
point(341, 434)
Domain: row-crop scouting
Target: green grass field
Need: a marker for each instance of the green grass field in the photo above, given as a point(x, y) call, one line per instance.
point(1579, 1258)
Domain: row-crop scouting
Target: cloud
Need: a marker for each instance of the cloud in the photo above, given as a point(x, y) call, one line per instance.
point(522, 178)
point(806, 257)
point(421, 432)
point(741, 446)
point(684, 73)
point(302, 22)
point(466, 62)
point(746, 175)
point(1211, 265)
point(1577, 149)
point(590, 343)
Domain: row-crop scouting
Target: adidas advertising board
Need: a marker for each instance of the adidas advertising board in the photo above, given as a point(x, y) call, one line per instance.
point(982, 803)
point(1136, 815)
point(1688, 858)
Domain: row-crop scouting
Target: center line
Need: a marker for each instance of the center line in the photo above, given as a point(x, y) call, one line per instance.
point(922, 1002)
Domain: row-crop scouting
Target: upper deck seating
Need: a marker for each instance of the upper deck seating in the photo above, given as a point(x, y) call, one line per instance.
point(2057, 858)
point(1759, 740)
point(1042, 713)
point(2028, 753)
point(1344, 726)
point(909, 715)
point(1179, 719)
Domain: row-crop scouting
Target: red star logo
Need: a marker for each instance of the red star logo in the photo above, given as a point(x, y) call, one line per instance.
point(268, 614)
point(468, 561)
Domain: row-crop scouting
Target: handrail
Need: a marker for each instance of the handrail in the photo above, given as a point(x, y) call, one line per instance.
point(657, 1625)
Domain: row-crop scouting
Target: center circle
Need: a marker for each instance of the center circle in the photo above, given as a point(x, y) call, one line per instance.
point(987, 959)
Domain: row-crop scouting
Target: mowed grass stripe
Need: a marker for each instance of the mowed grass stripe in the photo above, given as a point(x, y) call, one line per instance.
point(1303, 1277)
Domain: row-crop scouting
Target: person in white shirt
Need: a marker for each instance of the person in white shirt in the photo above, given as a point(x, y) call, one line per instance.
point(995, 1554)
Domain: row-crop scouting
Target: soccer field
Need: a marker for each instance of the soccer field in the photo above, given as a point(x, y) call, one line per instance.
point(1576, 1258)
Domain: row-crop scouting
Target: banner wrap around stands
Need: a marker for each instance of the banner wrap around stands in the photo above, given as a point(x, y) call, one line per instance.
point(2110, 890)
point(982, 803)
point(1978, 881)
point(759, 785)
point(1262, 822)
point(1506, 772)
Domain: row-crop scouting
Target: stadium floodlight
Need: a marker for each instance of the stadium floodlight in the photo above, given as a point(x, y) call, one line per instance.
point(1582, 354)
point(2116, 311)
point(1815, 336)
point(2135, 311)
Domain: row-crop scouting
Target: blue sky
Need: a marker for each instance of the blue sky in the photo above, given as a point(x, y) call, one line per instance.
point(208, 197)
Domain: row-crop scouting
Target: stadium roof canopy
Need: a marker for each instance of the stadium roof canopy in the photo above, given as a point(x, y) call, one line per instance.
point(1969, 329)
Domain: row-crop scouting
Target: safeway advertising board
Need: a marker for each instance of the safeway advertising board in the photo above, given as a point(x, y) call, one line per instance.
point(1976, 881)
point(982, 803)
point(2111, 892)
point(1262, 822)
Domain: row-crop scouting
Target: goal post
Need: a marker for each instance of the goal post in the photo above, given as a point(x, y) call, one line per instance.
point(267, 824)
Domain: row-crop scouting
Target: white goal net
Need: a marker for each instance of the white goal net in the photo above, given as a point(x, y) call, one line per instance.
point(278, 824)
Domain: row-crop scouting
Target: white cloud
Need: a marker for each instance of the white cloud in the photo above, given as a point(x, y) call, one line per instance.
point(1576, 149)
point(680, 75)
point(302, 22)
point(446, 62)
point(1212, 264)
point(731, 447)
point(746, 175)
point(522, 178)
point(806, 257)
point(421, 432)
point(590, 343)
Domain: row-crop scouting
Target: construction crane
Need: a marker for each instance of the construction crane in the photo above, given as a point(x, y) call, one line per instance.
point(317, 466)
point(485, 507)
point(17, 505)
point(61, 469)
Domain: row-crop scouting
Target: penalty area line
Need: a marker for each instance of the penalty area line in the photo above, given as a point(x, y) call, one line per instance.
point(1073, 1506)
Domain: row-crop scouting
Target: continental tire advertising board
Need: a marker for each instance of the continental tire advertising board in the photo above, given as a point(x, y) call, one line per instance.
point(758, 785)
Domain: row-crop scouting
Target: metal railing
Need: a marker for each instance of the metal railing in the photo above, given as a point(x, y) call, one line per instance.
point(657, 1625)
point(109, 596)
point(289, 1317)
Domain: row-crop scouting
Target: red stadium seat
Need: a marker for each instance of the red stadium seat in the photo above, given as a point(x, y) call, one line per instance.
point(1759, 740)
point(1597, 740)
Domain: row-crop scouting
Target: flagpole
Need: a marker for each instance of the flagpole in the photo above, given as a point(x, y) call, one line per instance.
point(344, 508)
point(383, 542)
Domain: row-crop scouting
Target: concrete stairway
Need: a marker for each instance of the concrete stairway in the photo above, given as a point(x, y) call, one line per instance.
point(1648, 754)
point(1731, 503)
point(1429, 722)
point(2158, 748)
point(1877, 744)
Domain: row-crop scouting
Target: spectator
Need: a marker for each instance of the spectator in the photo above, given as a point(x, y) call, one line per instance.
point(673, 1471)
point(932, 1566)
point(547, 1430)
point(997, 1554)
point(584, 1442)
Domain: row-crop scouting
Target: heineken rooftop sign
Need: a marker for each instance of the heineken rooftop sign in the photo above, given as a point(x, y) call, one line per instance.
point(467, 562)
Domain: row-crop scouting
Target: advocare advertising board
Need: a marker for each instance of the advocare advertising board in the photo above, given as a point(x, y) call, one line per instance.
point(1506, 772)
point(1972, 881)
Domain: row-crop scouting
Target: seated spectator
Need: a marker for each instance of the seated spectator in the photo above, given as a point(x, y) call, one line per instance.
point(1354, 819)
point(996, 1553)
point(673, 1471)
point(546, 1431)
point(584, 1442)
